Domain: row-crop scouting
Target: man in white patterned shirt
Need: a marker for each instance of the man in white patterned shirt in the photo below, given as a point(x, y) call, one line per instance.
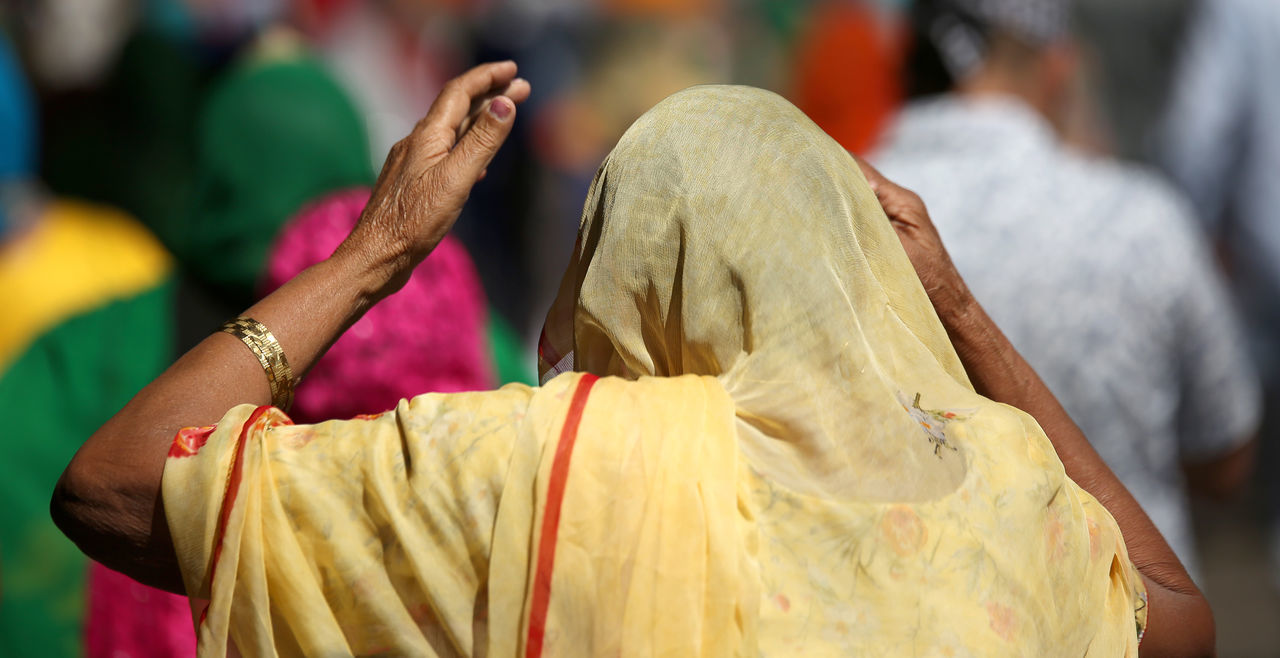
point(1092, 268)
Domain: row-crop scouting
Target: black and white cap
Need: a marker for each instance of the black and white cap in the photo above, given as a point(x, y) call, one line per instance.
point(959, 29)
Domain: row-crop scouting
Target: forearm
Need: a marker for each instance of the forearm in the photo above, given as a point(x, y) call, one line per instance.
point(109, 498)
point(1180, 622)
point(109, 501)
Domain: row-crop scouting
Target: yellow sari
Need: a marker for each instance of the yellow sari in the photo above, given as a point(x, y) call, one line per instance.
point(775, 452)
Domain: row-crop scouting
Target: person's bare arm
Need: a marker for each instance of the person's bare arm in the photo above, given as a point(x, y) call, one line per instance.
point(1180, 622)
point(109, 498)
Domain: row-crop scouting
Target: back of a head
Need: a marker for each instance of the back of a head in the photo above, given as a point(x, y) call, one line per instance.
point(710, 199)
point(727, 235)
point(952, 40)
point(276, 132)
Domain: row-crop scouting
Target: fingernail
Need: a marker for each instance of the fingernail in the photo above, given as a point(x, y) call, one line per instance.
point(500, 108)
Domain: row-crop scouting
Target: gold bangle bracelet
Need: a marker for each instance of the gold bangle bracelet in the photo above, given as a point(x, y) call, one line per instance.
point(264, 345)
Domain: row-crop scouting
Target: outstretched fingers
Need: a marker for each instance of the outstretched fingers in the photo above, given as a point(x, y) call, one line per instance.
point(517, 90)
point(455, 103)
point(476, 148)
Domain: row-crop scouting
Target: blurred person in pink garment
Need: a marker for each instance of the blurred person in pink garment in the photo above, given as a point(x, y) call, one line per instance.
point(429, 337)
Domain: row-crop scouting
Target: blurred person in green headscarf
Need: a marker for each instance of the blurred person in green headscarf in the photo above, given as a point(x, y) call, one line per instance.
point(275, 133)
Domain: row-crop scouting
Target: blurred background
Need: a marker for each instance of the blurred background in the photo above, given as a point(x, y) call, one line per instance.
point(153, 154)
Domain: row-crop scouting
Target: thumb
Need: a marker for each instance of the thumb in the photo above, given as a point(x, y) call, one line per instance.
point(874, 178)
point(478, 145)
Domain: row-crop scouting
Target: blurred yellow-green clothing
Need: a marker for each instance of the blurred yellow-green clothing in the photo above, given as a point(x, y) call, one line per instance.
point(87, 323)
point(77, 256)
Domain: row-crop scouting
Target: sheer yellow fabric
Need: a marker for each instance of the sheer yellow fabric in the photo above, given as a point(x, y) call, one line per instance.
point(827, 484)
point(417, 532)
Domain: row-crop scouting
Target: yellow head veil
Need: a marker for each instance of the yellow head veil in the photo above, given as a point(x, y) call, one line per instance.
point(897, 511)
point(727, 235)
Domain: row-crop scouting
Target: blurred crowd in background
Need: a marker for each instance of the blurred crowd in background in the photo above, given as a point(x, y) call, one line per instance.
point(164, 162)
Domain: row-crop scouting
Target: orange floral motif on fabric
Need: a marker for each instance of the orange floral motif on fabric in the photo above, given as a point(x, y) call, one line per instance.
point(903, 530)
point(1002, 620)
point(189, 440)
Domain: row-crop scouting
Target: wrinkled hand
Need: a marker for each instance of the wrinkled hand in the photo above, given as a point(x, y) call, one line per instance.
point(428, 175)
point(910, 219)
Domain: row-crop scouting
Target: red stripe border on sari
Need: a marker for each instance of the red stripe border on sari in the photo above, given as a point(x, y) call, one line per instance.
point(551, 518)
point(232, 489)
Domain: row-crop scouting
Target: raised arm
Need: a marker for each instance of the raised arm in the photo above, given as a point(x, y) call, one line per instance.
point(108, 500)
point(1180, 622)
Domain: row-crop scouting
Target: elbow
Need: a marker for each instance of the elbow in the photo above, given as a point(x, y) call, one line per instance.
point(1194, 637)
point(114, 521)
point(1203, 640)
point(1179, 621)
point(73, 508)
point(1180, 625)
point(92, 513)
point(111, 510)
